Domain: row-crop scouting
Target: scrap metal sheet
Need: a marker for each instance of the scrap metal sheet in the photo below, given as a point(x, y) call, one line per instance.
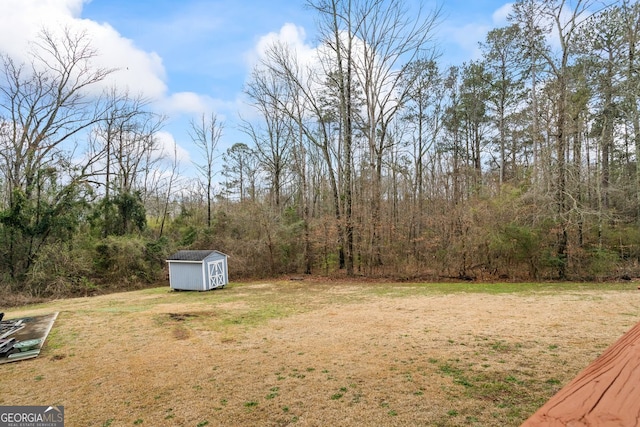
point(30, 328)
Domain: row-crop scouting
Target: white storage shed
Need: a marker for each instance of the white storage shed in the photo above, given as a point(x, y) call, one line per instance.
point(198, 270)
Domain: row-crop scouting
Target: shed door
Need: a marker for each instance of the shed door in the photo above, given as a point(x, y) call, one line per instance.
point(216, 273)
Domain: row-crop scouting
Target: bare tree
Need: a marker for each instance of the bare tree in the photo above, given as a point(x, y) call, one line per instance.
point(272, 137)
point(306, 103)
point(171, 180)
point(563, 19)
point(206, 134)
point(44, 105)
point(422, 112)
point(630, 16)
point(338, 26)
point(390, 36)
point(130, 153)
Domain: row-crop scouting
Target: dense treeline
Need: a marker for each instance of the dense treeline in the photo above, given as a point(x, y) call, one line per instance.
point(371, 157)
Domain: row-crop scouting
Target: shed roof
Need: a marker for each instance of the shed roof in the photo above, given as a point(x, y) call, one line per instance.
point(191, 255)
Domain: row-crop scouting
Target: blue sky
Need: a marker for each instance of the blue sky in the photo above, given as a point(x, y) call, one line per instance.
point(194, 56)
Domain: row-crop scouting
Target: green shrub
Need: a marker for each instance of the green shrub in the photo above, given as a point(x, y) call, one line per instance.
point(127, 259)
point(595, 263)
point(60, 269)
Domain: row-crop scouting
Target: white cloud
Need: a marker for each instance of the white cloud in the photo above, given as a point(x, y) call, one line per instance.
point(193, 104)
point(137, 71)
point(500, 16)
point(289, 34)
point(22, 20)
point(140, 72)
point(466, 38)
point(169, 149)
point(186, 102)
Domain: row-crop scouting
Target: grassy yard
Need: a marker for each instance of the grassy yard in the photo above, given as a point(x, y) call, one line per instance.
point(317, 353)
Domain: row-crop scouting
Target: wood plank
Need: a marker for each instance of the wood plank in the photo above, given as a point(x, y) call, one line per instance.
point(605, 393)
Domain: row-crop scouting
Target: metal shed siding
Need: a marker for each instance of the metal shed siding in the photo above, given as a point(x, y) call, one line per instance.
point(198, 270)
point(186, 275)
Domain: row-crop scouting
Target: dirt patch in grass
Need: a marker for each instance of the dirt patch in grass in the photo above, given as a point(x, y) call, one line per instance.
point(295, 353)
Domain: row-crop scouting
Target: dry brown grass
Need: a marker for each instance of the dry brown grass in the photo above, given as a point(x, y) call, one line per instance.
point(315, 354)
